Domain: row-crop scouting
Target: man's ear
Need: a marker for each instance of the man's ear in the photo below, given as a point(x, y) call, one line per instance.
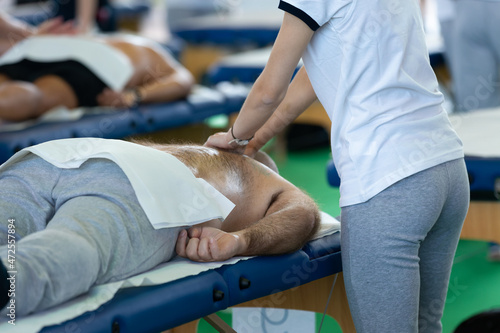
point(266, 160)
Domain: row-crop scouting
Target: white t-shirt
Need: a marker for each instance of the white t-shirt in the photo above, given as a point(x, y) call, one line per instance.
point(369, 66)
point(167, 190)
point(445, 10)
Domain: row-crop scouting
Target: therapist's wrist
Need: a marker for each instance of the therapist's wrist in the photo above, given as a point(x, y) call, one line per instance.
point(235, 141)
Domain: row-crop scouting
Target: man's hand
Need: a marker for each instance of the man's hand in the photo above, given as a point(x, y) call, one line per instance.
point(208, 244)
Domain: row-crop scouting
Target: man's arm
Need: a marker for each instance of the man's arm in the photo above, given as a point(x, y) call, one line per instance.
point(169, 84)
point(173, 84)
point(290, 221)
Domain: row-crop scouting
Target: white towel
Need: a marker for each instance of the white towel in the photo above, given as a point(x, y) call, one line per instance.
point(109, 64)
point(169, 193)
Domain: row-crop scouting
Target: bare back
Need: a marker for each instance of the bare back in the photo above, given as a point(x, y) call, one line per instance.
point(250, 185)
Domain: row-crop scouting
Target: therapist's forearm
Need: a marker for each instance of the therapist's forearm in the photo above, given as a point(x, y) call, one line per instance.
point(86, 13)
point(299, 97)
point(270, 88)
point(257, 109)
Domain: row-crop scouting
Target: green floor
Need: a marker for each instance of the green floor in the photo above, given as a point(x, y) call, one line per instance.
point(474, 283)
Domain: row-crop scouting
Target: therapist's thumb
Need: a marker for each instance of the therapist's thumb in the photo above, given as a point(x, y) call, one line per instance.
point(218, 140)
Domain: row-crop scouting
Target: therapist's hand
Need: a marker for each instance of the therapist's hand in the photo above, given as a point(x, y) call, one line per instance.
point(205, 244)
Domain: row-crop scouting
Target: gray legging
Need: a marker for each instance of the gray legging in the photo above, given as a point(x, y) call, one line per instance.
point(398, 249)
point(75, 228)
point(476, 54)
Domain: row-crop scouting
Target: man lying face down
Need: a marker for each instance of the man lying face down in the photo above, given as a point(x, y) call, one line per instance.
point(81, 212)
point(41, 73)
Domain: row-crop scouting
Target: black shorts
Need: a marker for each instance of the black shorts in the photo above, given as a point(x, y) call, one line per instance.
point(85, 84)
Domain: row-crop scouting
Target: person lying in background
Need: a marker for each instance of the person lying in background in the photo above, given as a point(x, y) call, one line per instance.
point(44, 72)
point(88, 211)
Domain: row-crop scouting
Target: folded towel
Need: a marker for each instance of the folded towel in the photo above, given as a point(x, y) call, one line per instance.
point(109, 64)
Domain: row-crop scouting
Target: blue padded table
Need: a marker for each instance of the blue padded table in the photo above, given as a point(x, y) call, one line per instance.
point(300, 281)
point(153, 308)
point(262, 276)
point(480, 136)
point(202, 103)
point(479, 133)
point(37, 12)
point(484, 176)
point(307, 272)
point(245, 26)
point(131, 10)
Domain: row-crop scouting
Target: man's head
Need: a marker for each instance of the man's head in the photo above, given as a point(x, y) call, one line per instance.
point(266, 160)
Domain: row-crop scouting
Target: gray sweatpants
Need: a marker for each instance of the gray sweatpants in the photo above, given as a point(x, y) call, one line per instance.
point(476, 54)
point(74, 228)
point(398, 248)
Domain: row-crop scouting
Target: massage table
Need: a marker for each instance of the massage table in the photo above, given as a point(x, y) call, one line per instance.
point(299, 280)
point(479, 133)
point(201, 104)
point(254, 22)
point(247, 25)
point(127, 13)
